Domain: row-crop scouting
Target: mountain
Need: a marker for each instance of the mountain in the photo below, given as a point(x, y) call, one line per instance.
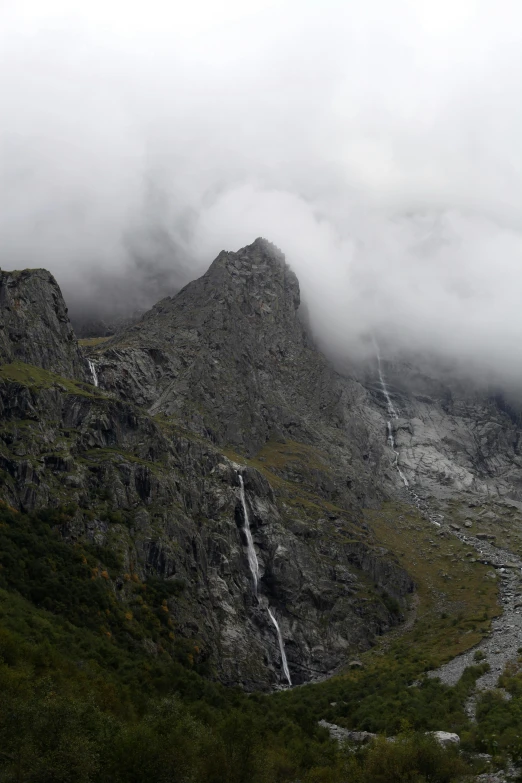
point(203, 500)
point(219, 383)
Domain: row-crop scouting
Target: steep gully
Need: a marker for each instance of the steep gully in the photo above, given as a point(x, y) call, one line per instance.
point(506, 630)
point(253, 564)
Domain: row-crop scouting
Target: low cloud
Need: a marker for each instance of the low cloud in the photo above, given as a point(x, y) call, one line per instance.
point(377, 144)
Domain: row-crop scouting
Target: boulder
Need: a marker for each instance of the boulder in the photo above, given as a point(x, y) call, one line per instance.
point(445, 738)
point(345, 735)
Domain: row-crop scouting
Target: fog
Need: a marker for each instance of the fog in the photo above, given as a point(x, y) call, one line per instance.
point(377, 144)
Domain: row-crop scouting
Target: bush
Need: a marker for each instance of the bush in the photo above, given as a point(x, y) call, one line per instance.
point(414, 758)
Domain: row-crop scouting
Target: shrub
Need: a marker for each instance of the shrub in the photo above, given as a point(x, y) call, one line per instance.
point(412, 758)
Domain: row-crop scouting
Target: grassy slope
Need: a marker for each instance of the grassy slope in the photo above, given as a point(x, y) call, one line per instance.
point(36, 378)
point(456, 598)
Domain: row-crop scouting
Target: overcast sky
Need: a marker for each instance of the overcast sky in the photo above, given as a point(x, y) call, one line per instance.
point(377, 143)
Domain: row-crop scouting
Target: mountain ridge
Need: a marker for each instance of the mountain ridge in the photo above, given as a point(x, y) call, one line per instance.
point(158, 490)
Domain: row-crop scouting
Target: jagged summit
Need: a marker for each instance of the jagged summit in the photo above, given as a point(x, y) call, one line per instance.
point(260, 246)
point(256, 275)
point(229, 353)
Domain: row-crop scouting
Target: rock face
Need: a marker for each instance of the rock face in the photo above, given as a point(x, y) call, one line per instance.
point(230, 356)
point(224, 380)
point(34, 325)
point(170, 507)
point(228, 352)
point(220, 380)
point(454, 435)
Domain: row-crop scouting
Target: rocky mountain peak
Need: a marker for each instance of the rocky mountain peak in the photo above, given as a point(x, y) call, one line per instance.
point(263, 263)
point(34, 324)
point(228, 352)
point(256, 279)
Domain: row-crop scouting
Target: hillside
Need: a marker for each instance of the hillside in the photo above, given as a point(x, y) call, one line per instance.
point(203, 501)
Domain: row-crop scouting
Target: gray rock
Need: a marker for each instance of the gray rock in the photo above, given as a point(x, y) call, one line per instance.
point(172, 496)
point(345, 735)
point(34, 325)
point(226, 371)
point(446, 738)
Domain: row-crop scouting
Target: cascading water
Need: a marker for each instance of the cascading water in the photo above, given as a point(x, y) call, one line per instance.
point(253, 564)
point(392, 412)
point(94, 374)
point(286, 670)
point(389, 403)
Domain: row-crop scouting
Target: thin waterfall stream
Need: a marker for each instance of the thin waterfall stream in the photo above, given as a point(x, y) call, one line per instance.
point(284, 661)
point(94, 374)
point(393, 414)
point(253, 564)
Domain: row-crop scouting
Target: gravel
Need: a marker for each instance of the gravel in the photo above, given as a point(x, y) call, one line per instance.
point(506, 631)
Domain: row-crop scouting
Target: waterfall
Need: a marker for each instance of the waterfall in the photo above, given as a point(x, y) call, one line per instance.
point(391, 443)
point(391, 409)
point(392, 412)
point(286, 670)
point(94, 374)
point(253, 564)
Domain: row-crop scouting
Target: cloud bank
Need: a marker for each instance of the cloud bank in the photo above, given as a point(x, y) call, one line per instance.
point(377, 144)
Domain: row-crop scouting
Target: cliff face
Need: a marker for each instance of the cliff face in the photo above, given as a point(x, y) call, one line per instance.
point(230, 357)
point(222, 381)
point(218, 382)
point(34, 325)
point(227, 353)
point(455, 435)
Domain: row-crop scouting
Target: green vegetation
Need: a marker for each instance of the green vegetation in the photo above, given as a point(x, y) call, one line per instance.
point(295, 472)
point(97, 684)
point(499, 721)
point(457, 599)
point(286, 454)
point(83, 698)
point(36, 378)
point(76, 583)
point(410, 759)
